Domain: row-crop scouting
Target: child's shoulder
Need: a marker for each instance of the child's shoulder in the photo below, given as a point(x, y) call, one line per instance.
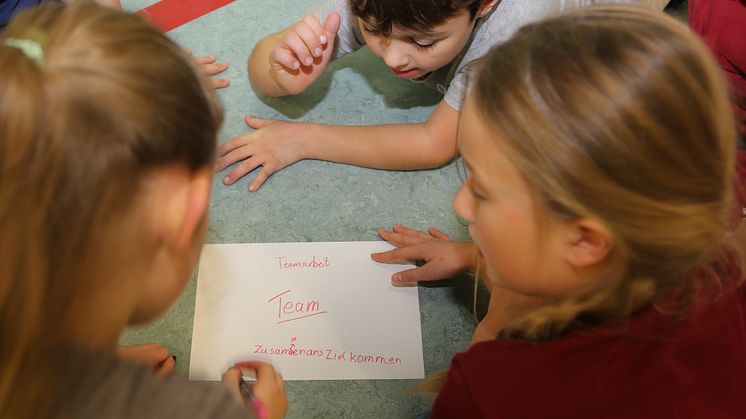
point(508, 16)
point(97, 385)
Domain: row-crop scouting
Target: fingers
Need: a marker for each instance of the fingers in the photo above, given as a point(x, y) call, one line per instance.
point(166, 367)
point(252, 153)
point(438, 234)
point(292, 42)
point(402, 255)
point(391, 256)
point(212, 69)
point(331, 27)
point(241, 170)
point(262, 177)
point(204, 59)
point(250, 163)
point(398, 228)
point(310, 31)
point(400, 239)
point(269, 387)
point(153, 356)
point(219, 83)
point(303, 44)
point(258, 123)
point(239, 142)
point(391, 237)
point(286, 58)
point(409, 277)
point(232, 151)
point(262, 369)
point(231, 380)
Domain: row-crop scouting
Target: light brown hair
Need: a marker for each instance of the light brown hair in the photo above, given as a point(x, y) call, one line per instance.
point(111, 99)
point(618, 113)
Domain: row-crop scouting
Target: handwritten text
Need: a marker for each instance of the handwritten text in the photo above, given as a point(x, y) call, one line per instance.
point(327, 354)
point(288, 310)
point(285, 263)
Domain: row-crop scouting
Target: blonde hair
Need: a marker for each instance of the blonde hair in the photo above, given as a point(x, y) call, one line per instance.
point(110, 99)
point(617, 113)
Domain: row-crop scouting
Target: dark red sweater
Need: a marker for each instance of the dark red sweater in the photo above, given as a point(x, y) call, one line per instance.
point(722, 25)
point(657, 368)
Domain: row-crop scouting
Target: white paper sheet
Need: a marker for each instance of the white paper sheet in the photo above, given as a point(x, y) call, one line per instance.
point(316, 311)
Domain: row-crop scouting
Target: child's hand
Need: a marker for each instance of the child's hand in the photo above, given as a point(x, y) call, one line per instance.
point(210, 68)
point(436, 255)
point(304, 50)
point(269, 387)
point(274, 145)
point(151, 355)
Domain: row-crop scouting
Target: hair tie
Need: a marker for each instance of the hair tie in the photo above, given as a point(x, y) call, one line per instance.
point(32, 49)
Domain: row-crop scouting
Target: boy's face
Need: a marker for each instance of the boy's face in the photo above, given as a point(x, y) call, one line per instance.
point(413, 54)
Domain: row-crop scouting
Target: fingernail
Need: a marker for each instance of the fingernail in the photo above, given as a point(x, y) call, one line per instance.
point(252, 188)
point(317, 51)
point(296, 65)
point(322, 38)
point(226, 180)
point(309, 60)
point(396, 278)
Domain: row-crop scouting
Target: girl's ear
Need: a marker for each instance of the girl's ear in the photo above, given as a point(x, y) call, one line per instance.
point(589, 243)
point(179, 204)
point(195, 203)
point(486, 7)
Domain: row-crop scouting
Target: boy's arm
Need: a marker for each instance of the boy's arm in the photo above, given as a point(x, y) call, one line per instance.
point(276, 144)
point(287, 62)
point(425, 145)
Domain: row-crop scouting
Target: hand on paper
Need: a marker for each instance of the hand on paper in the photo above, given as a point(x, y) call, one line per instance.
point(303, 53)
point(269, 387)
point(436, 255)
point(210, 68)
point(274, 145)
point(151, 355)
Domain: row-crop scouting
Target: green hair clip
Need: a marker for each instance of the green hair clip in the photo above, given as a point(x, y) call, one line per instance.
point(32, 49)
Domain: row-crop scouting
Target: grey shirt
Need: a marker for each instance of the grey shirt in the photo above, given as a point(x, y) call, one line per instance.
point(494, 28)
point(100, 385)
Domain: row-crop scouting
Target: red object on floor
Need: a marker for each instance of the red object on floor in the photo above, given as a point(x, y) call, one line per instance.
point(170, 14)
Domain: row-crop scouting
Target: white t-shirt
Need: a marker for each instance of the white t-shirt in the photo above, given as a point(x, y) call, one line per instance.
point(494, 28)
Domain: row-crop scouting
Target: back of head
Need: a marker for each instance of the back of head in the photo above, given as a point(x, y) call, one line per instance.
point(417, 15)
point(617, 113)
point(106, 99)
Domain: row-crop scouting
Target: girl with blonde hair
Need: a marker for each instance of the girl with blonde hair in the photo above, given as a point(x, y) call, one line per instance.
point(107, 145)
point(600, 147)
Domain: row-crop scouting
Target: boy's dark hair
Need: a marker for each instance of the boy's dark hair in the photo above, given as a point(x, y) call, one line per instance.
point(416, 15)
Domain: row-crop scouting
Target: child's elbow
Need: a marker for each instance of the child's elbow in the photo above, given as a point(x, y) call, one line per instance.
point(442, 153)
